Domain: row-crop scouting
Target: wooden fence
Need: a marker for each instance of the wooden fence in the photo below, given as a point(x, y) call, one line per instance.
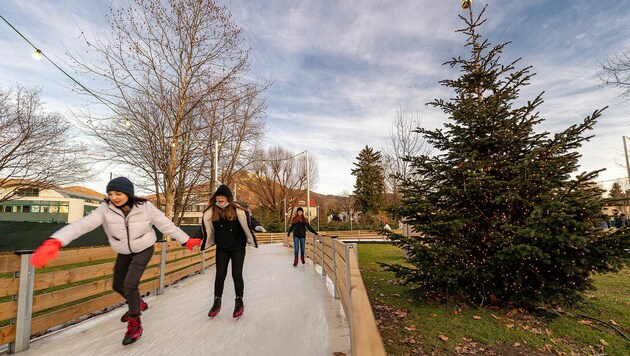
point(79, 283)
point(340, 263)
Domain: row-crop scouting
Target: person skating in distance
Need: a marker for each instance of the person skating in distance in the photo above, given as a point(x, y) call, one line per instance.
point(299, 224)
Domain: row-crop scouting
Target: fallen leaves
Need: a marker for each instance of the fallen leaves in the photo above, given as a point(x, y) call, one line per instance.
point(476, 317)
point(443, 337)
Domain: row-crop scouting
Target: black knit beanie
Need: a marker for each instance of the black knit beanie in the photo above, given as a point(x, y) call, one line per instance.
point(223, 190)
point(121, 184)
point(300, 209)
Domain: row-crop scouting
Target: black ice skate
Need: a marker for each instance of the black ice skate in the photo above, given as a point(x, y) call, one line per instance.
point(216, 307)
point(239, 307)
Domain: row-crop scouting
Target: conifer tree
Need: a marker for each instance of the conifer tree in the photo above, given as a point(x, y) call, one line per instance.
point(616, 191)
point(369, 187)
point(500, 216)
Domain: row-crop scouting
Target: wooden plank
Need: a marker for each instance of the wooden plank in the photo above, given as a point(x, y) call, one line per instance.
point(62, 316)
point(9, 286)
point(189, 262)
point(63, 296)
point(173, 277)
point(8, 310)
point(61, 277)
point(82, 255)
point(7, 334)
point(9, 263)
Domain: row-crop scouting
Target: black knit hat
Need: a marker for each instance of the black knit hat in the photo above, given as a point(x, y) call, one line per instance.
point(121, 184)
point(223, 190)
point(300, 209)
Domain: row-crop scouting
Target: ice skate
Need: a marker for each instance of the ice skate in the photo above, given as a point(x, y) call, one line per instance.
point(134, 331)
point(239, 308)
point(216, 307)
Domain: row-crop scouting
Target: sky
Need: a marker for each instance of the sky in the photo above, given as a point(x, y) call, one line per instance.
point(341, 70)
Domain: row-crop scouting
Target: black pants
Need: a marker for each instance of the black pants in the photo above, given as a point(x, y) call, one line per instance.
point(222, 259)
point(128, 271)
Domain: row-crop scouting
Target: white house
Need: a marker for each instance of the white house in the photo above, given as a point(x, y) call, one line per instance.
point(48, 205)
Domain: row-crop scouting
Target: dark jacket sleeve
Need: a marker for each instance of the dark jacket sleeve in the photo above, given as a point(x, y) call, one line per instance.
point(254, 222)
point(308, 226)
point(290, 229)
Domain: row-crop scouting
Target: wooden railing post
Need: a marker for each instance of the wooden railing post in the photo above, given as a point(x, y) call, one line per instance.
point(25, 303)
point(323, 256)
point(313, 251)
point(334, 268)
point(162, 267)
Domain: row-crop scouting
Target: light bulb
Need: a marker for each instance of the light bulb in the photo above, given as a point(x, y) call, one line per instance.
point(466, 4)
point(37, 55)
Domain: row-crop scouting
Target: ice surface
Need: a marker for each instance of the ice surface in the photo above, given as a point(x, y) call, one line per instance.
point(288, 311)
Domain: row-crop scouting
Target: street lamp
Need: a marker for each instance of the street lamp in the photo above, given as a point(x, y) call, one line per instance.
point(308, 187)
point(216, 164)
point(285, 213)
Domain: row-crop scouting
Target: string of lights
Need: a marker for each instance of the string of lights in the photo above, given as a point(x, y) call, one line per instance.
point(38, 54)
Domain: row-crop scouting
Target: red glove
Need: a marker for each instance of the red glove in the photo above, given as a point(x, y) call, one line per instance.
point(45, 253)
point(192, 242)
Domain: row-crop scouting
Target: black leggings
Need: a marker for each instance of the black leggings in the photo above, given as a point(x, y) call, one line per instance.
point(222, 259)
point(128, 271)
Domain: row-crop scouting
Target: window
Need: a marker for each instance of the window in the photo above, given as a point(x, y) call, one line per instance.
point(54, 209)
point(35, 208)
point(7, 208)
point(28, 192)
point(45, 209)
point(26, 209)
point(63, 209)
point(17, 208)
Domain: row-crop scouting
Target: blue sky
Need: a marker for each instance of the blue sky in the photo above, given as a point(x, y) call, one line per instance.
point(341, 69)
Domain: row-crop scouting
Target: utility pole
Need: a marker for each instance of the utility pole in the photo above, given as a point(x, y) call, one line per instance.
point(308, 187)
point(625, 153)
point(216, 165)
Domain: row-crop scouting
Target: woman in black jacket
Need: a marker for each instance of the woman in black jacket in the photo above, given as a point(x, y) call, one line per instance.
point(299, 224)
point(227, 225)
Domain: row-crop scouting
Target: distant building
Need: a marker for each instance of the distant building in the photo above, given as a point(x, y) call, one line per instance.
point(301, 203)
point(48, 204)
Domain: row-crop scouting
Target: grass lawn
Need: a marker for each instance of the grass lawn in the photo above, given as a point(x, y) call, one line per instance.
point(413, 327)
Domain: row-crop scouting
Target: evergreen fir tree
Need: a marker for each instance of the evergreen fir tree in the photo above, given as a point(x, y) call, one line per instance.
point(616, 191)
point(499, 215)
point(369, 187)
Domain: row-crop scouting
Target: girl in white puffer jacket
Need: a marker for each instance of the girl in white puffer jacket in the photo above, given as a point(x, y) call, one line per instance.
point(128, 221)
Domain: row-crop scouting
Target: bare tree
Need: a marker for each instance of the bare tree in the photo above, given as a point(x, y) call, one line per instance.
point(280, 174)
point(36, 149)
point(404, 142)
point(615, 71)
point(346, 202)
point(175, 79)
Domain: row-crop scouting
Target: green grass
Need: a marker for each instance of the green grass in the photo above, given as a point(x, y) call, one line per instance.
point(411, 326)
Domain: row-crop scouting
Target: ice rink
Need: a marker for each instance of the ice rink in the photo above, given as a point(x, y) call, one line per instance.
point(288, 311)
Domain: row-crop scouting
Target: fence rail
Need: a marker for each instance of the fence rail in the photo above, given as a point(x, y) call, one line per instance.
point(339, 262)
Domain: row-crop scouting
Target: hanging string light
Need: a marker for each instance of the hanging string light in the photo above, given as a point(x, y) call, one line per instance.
point(38, 54)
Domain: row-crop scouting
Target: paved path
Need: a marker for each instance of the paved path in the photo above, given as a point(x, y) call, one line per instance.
point(288, 311)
